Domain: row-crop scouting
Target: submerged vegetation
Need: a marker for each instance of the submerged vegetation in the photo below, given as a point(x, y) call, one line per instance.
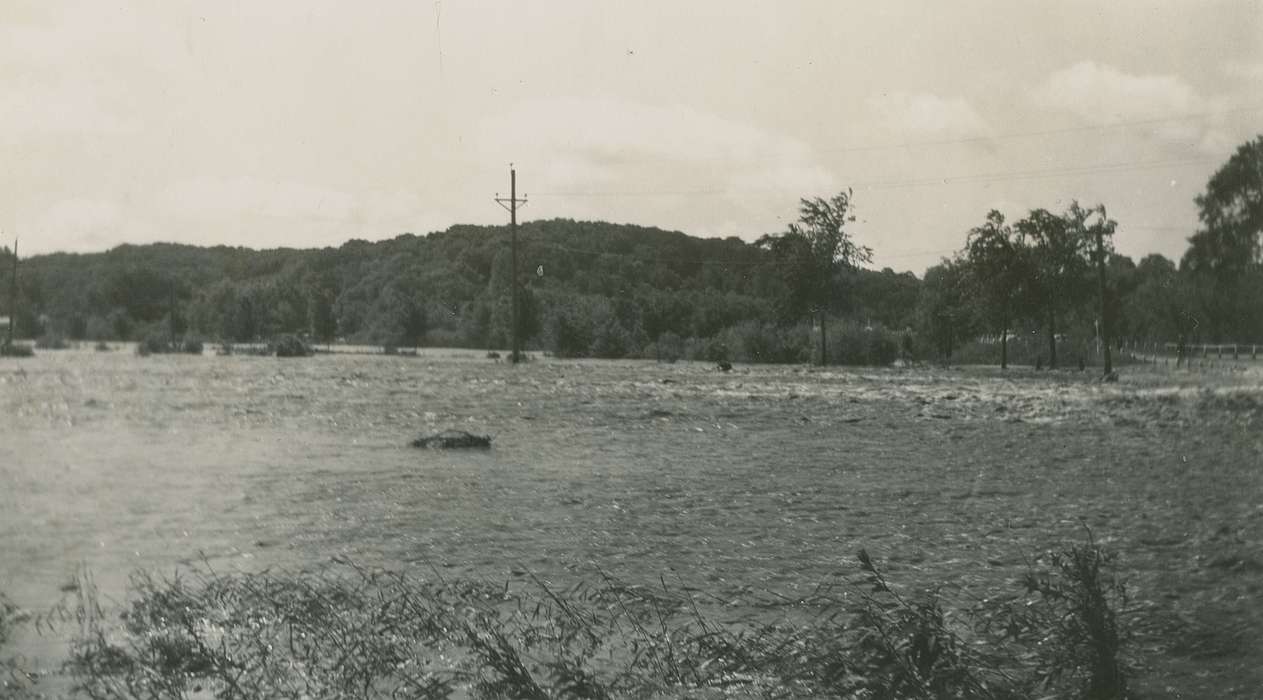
point(345, 631)
point(158, 344)
point(289, 346)
point(16, 350)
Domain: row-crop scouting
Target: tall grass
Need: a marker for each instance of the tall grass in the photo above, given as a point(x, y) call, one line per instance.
point(16, 680)
point(349, 632)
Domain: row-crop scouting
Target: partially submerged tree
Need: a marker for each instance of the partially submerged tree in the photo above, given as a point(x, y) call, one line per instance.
point(998, 267)
point(1094, 228)
point(814, 252)
point(946, 310)
point(1059, 253)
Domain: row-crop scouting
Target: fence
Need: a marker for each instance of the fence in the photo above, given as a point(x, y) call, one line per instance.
point(1191, 354)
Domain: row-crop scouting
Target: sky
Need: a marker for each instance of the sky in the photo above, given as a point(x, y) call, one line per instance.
point(306, 124)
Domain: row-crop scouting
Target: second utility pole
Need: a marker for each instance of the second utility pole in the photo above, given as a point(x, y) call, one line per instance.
point(512, 202)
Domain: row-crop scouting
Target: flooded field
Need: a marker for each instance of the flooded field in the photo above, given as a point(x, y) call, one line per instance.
point(765, 478)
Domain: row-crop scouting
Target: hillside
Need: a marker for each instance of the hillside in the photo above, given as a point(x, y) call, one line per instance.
point(590, 288)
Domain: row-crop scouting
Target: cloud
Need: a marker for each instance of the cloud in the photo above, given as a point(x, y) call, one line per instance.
point(1100, 93)
point(923, 114)
point(581, 139)
point(1103, 94)
point(89, 221)
point(1243, 70)
point(634, 161)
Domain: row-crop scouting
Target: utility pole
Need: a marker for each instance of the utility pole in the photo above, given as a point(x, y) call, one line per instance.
point(13, 293)
point(171, 311)
point(511, 204)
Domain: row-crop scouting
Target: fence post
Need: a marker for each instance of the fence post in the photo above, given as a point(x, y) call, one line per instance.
point(1234, 351)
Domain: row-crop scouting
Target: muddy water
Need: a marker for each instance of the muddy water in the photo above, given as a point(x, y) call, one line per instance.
point(764, 478)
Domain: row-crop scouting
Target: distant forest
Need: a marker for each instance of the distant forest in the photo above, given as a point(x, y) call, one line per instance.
point(608, 290)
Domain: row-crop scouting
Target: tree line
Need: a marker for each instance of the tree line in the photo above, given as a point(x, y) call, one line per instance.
point(1038, 289)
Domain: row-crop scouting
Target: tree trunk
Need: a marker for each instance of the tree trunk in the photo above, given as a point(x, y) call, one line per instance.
point(1105, 328)
point(1052, 340)
point(1004, 347)
point(824, 343)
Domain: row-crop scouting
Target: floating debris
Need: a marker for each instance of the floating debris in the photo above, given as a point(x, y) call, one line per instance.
point(453, 439)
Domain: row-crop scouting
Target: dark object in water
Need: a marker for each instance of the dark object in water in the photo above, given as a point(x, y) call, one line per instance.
point(453, 439)
point(724, 366)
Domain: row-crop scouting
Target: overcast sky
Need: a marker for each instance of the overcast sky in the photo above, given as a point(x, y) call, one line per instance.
point(308, 123)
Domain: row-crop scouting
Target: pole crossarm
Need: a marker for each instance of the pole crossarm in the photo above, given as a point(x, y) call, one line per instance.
point(511, 204)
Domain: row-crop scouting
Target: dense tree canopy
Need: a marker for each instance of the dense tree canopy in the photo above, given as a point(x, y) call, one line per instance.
point(608, 290)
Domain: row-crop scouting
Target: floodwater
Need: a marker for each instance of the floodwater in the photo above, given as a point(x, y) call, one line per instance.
point(766, 478)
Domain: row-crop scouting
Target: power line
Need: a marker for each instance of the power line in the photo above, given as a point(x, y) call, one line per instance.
point(1045, 132)
point(965, 140)
point(968, 178)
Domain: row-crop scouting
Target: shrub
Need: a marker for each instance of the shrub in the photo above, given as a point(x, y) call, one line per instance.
point(345, 631)
point(191, 345)
point(1079, 622)
point(16, 350)
point(289, 346)
point(882, 349)
point(852, 344)
point(51, 341)
point(753, 341)
point(102, 346)
point(153, 344)
point(670, 347)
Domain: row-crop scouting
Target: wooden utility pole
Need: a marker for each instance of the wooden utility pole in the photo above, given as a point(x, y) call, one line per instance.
point(13, 293)
point(171, 312)
point(1100, 272)
point(511, 204)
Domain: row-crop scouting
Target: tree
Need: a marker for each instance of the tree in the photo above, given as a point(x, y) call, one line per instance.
point(814, 251)
point(945, 311)
point(997, 266)
point(413, 321)
point(324, 323)
point(1060, 267)
point(1228, 249)
point(1093, 226)
point(1163, 305)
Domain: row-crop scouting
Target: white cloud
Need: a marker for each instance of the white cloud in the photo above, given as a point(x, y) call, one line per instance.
point(1102, 94)
point(923, 114)
point(596, 141)
point(668, 165)
point(88, 221)
point(1243, 70)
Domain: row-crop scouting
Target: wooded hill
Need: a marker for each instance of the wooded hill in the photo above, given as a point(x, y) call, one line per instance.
point(589, 288)
point(611, 290)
